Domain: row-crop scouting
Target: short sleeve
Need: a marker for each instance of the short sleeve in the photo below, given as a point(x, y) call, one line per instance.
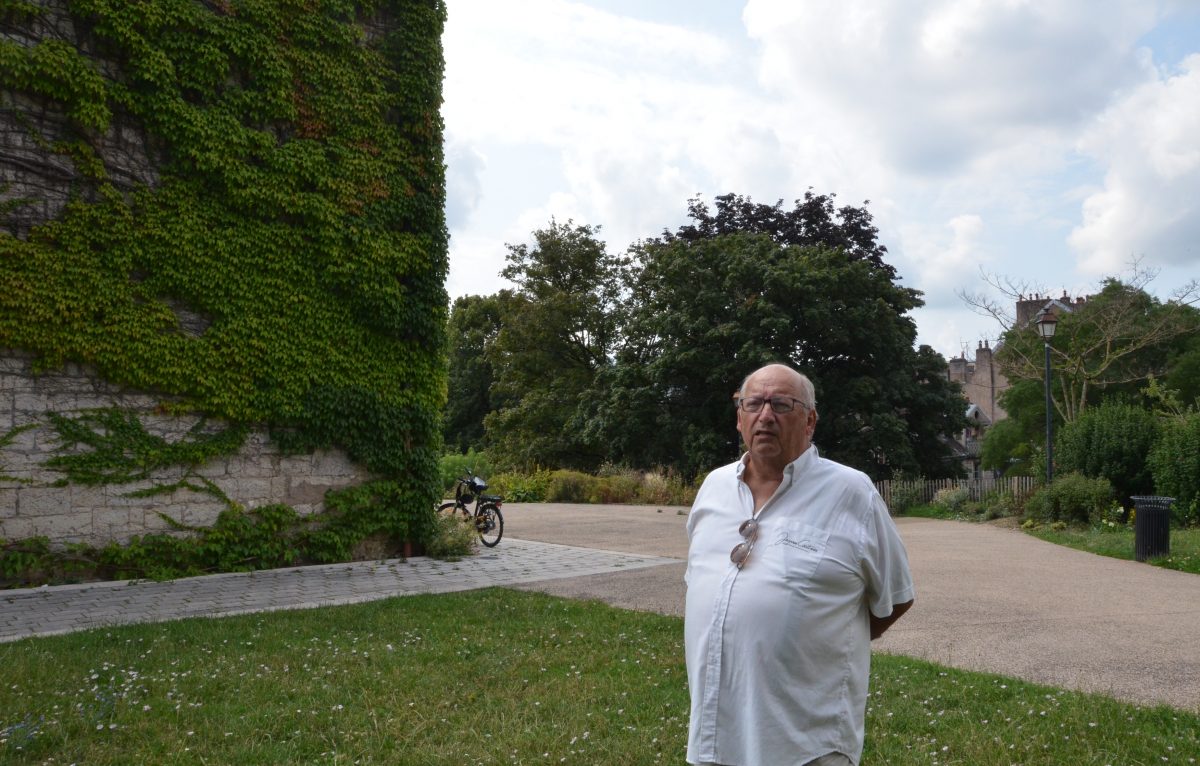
point(885, 562)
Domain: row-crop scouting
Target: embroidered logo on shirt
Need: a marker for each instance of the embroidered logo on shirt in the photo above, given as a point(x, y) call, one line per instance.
point(803, 544)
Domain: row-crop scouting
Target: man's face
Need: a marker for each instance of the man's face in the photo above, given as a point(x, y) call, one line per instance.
point(771, 438)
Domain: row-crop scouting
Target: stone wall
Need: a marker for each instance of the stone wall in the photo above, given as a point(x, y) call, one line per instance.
point(32, 505)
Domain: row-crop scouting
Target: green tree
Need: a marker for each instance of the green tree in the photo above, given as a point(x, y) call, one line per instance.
point(1175, 464)
point(558, 330)
point(1110, 441)
point(1109, 346)
point(472, 329)
point(705, 311)
point(1016, 444)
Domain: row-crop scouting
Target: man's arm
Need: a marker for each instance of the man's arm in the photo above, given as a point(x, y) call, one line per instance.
point(880, 624)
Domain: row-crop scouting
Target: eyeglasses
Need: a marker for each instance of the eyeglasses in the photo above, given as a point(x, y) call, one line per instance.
point(741, 551)
point(779, 404)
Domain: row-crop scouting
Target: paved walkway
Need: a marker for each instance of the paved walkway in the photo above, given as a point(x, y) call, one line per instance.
point(65, 608)
point(988, 599)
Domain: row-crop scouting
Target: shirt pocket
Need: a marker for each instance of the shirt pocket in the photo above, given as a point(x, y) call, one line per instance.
point(799, 549)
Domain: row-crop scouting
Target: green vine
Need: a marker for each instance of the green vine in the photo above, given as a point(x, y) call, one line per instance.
point(122, 451)
point(296, 209)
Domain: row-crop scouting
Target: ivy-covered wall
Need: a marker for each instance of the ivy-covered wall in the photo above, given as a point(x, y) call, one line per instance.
point(237, 206)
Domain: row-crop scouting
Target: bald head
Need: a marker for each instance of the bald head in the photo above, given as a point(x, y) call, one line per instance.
point(774, 439)
point(804, 386)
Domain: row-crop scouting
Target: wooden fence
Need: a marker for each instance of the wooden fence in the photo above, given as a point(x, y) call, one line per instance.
point(977, 489)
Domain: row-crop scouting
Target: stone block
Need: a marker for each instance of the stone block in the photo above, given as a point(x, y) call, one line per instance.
point(307, 492)
point(44, 501)
point(27, 441)
point(252, 489)
point(214, 469)
point(333, 463)
point(203, 514)
point(8, 501)
point(115, 524)
point(16, 528)
point(67, 527)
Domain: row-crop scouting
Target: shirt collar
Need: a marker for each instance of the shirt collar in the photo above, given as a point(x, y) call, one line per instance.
point(791, 470)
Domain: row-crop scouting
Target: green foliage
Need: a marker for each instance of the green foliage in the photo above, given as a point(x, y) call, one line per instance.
point(951, 499)
point(474, 324)
point(704, 313)
point(454, 536)
point(1016, 445)
point(557, 331)
point(1106, 347)
point(285, 267)
point(354, 514)
point(453, 467)
point(1111, 441)
point(120, 450)
point(521, 487)
point(1072, 498)
point(570, 487)
point(906, 494)
point(1175, 464)
point(241, 540)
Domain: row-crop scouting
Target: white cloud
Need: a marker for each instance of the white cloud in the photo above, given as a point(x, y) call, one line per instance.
point(464, 188)
point(940, 84)
point(1150, 202)
point(945, 258)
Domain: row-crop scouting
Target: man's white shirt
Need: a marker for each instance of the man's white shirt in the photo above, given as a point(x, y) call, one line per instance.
point(778, 652)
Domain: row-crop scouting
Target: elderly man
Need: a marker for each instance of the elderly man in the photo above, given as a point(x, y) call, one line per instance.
point(778, 630)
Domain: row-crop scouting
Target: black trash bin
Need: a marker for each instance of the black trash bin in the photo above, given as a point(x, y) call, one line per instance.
point(1151, 526)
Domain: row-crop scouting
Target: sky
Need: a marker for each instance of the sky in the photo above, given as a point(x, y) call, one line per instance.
point(1047, 144)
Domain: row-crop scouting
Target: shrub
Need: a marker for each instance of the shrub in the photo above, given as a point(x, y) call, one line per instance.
point(623, 487)
point(951, 499)
point(454, 536)
point(1073, 498)
point(1175, 462)
point(906, 495)
point(452, 467)
point(521, 487)
point(666, 489)
point(1000, 505)
point(570, 487)
point(1111, 441)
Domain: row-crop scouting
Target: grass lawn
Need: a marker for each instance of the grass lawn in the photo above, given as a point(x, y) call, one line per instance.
point(489, 677)
point(1116, 543)
point(1185, 544)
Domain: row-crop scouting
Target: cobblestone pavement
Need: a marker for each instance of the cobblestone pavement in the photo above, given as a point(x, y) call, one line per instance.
point(66, 608)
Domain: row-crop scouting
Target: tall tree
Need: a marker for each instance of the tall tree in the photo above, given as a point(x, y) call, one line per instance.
point(812, 220)
point(706, 310)
point(1112, 344)
point(472, 329)
point(558, 329)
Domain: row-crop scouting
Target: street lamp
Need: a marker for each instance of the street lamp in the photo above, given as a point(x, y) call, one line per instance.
point(1046, 324)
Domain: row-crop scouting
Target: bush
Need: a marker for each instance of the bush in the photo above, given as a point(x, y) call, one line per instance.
point(620, 487)
point(454, 536)
point(452, 467)
point(570, 487)
point(951, 499)
point(1111, 441)
point(1073, 498)
point(1000, 505)
point(1175, 463)
point(666, 489)
point(906, 495)
point(521, 487)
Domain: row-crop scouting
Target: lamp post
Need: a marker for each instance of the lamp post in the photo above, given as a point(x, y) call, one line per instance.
point(1046, 324)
